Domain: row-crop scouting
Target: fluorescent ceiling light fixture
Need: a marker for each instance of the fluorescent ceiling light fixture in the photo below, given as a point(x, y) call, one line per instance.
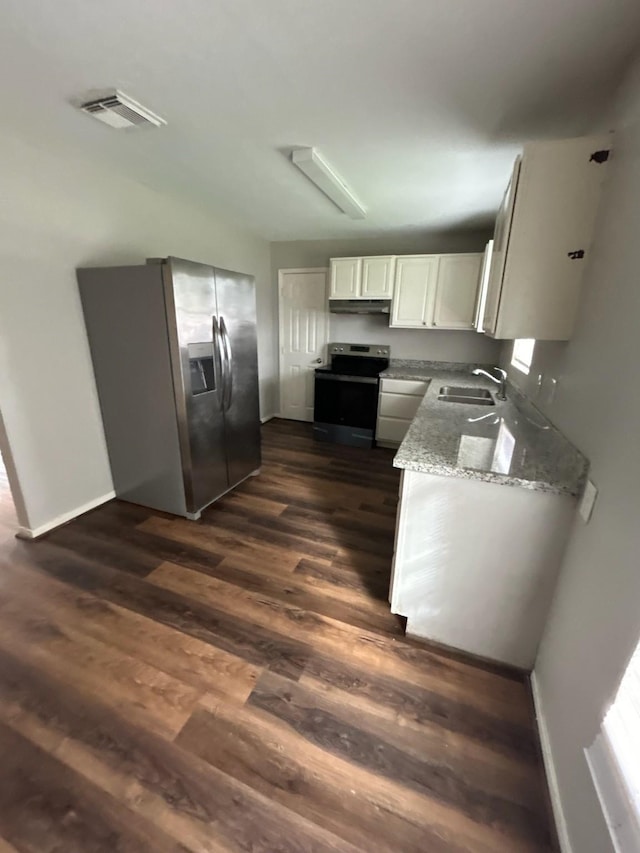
point(309, 161)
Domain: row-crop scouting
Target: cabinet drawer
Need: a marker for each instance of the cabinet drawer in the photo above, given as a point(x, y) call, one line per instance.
point(404, 386)
point(391, 429)
point(399, 405)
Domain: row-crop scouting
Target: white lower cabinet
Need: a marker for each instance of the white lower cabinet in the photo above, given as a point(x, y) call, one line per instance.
point(398, 403)
point(476, 563)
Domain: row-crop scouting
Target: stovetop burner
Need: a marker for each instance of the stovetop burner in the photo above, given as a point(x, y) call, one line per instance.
point(357, 359)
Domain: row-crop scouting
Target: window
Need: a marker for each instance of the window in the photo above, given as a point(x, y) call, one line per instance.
point(614, 761)
point(523, 354)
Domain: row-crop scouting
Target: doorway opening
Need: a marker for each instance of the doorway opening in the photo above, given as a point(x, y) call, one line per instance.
point(12, 513)
point(304, 335)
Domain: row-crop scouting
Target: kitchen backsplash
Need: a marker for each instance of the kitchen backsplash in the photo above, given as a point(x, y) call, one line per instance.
point(427, 345)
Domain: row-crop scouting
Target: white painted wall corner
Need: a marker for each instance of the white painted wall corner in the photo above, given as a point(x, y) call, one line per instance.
point(34, 532)
point(550, 768)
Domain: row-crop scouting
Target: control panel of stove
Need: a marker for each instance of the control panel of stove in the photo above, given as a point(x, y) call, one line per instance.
point(366, 350)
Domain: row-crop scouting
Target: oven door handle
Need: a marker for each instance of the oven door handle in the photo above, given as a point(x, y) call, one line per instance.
point(337, 377)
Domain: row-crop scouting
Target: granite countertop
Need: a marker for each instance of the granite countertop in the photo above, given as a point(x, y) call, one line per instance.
point(510, 443)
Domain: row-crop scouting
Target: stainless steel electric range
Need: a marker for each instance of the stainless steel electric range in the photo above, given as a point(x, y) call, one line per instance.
point(346, 393)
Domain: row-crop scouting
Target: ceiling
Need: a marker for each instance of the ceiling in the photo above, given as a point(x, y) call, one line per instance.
point(420, 105)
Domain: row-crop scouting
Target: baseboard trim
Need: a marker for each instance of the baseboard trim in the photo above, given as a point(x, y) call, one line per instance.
point(550, 769)
point(267, 418)
point(504, 670)
point(34, 532)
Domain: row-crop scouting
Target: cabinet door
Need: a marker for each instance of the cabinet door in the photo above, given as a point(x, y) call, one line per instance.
point(414, 291)
point(402, 406)
point(457, 291)
point(413, 387)
point(499, 253)
point(345, 278)
point(483, 287)
point(391, 430)
point(551, 232)
point(377, 277)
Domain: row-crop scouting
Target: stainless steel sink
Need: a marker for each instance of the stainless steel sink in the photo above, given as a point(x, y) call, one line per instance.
point(470, 396)
point(454, 391)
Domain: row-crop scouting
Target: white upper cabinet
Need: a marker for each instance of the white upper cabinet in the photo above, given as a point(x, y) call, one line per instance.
point(543, 238)
point(377, 277)
point(346, 274)
point(414, 291)
point(427, 291)
point(483, 287)
point(362, 278)
point(436, 291)
point(457, 291)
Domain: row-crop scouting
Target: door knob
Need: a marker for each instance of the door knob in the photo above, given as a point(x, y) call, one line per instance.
point(318, 361)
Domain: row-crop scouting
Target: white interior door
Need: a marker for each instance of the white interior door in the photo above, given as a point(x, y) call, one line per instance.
point(304, 335)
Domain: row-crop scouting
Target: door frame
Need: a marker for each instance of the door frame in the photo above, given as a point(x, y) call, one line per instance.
point(325, 270)
point(23, 525)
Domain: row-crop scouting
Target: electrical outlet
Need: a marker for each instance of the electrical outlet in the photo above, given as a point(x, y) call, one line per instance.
point(588, 500)
point(553, 387)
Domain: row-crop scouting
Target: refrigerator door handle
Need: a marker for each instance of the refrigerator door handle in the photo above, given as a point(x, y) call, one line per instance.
point(227, 350)
point(217, 359)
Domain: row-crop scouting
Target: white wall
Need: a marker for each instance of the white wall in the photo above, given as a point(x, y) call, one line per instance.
point(55, 215)
point(427, 344)
point(595, 618)
point(430, 344)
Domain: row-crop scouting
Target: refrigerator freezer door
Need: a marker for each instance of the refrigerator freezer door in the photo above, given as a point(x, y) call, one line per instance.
point(198, 379)
point(237, 317)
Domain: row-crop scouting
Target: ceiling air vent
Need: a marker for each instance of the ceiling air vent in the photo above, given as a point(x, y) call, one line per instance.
point(119, 110)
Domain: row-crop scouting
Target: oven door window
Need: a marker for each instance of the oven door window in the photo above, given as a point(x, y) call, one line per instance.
point(346, 403)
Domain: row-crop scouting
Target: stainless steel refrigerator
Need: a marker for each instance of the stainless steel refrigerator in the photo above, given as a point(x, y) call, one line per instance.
point(174, 353)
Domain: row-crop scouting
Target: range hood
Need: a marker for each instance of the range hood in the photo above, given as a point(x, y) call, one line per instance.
point(360, 306)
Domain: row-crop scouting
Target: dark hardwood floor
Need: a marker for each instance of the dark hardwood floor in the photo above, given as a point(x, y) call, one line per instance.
point(239, 684)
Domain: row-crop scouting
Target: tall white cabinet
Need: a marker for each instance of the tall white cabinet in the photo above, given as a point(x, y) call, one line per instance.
point(543, 237)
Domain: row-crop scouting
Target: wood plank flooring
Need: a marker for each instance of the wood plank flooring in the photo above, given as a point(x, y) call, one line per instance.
point(239, 684)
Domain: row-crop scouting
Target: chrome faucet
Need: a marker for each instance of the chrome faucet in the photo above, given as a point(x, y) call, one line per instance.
point(500, 380)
